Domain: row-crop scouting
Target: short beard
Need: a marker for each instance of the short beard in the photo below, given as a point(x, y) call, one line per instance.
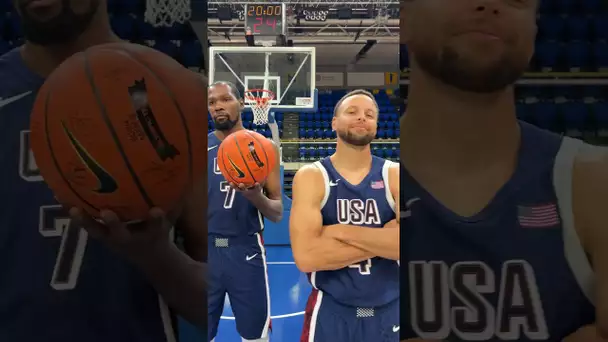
point(225, 125)
point(64, 28)
point(451, 69)
point(355, 140)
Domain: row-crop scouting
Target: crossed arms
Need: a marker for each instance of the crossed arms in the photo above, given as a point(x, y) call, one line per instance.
point(331, 247)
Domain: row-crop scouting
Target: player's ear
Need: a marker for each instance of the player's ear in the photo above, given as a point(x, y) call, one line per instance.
point(241, 104)
point(333, 123)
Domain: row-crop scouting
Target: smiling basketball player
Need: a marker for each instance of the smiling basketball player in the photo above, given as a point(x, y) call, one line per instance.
point(344, 233)
point(505, 223)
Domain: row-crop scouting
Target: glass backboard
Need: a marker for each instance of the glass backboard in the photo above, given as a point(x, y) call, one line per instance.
point(286, 71)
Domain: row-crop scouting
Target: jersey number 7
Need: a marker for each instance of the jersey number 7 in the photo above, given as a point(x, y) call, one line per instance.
point(55, 222)
point(230, 193)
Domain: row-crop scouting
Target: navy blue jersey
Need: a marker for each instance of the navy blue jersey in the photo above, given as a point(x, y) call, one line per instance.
point(229, 213)
point(373, 282)
point(515, 271)
point(57, 284)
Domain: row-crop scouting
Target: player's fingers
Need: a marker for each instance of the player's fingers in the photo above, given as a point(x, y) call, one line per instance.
point(242, 187)
point(83, 220)
point(117, 230)
point(156, 219)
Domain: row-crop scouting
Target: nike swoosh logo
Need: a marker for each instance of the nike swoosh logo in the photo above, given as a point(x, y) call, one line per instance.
point(251, 257)
point(9, 100)
point(334, 183)
point(241, 174)
point(396, 328)
point(212, 147)
point(412, 201)
point(107, 184)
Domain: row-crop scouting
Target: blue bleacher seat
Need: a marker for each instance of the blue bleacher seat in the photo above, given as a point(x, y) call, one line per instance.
point(600, 111)
point(191, 53)
point(591, 6)
point(578, 27)
point(600, 51)
point(600, 23)
point(547, 53)
point(578, 55)
point(545, 115)
point(575, 115)
point(123, 25)
point(167, 47)
point(551, 26)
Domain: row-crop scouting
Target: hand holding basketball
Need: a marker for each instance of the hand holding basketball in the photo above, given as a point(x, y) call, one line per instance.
point(127, 239)
point(254, 190)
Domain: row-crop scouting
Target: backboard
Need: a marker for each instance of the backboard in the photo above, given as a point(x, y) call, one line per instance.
point(289, 72)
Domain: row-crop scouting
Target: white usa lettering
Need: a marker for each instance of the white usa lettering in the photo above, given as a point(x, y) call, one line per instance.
point(358, 212)
point(453, 299)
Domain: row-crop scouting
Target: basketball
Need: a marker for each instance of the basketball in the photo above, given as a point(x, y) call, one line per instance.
point(246, 157)
point(120, 127)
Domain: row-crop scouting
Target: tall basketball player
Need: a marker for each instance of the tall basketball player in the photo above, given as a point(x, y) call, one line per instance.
point(505, 223)
point(110, 289)
point(236, 220)
point(344, 233)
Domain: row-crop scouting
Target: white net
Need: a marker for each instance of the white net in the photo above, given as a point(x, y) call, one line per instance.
point(167, 12)
point(259, 100)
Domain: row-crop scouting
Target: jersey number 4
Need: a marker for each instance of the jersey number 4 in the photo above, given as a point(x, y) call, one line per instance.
point(365, 267)
point(55, 223)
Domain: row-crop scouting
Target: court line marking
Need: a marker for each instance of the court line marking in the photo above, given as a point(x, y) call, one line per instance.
point(293, 314)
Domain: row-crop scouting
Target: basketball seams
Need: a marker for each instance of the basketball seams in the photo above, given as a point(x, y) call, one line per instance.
point(49, 142)
point(220, 153)
point(182, 117)
point(263, 150)
point(113, 134)
point(238, 147)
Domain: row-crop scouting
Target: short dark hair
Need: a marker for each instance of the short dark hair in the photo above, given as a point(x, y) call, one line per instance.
point(353, 93)
point(233, 89)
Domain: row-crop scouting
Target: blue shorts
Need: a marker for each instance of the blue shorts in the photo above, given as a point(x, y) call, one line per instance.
point(329, 321)
point(237, 267)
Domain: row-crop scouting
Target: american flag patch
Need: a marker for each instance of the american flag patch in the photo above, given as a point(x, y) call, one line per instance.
point(538, 216)
point(378, 185)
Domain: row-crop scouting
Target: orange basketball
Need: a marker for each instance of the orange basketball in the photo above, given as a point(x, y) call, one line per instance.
point(120, 127)
point(246, 157)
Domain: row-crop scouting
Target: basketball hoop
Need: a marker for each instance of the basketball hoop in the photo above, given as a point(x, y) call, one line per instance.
point(167, 12)
point(259, 101)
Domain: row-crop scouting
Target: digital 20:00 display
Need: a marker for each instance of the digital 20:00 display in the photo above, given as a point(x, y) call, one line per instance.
point(265, 19)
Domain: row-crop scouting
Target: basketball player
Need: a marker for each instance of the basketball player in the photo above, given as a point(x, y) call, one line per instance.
point(344, 233)
point(505, 223)
point(236, 220)
point(73, 288)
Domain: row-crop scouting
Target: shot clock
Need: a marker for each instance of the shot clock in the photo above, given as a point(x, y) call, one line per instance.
point(265, 19)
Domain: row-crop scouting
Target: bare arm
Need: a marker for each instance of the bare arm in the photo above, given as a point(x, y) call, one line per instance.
point(381, 242)
point(313, 250)
point(179, 278)
point(590, 191)
point(270, 204)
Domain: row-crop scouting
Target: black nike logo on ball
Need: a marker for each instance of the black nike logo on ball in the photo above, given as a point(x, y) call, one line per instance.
point(107, 184)
point(241, 174)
